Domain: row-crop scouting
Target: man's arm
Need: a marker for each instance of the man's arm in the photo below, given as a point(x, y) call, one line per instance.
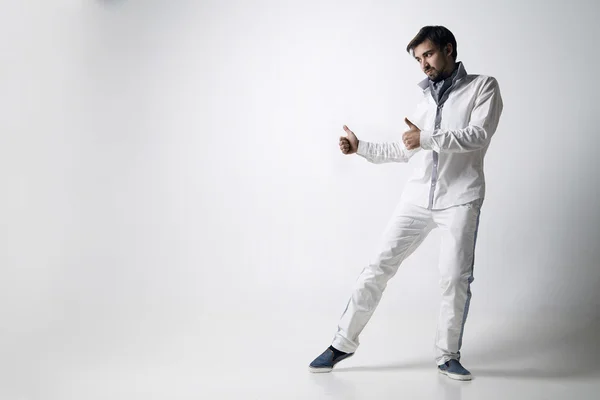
point(483, 124)
point(377, 153)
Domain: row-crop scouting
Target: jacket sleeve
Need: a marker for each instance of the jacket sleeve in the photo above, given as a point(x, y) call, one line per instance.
point(379, 153)
point(482, 125)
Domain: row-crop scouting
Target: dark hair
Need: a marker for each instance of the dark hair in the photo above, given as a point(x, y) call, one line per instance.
point(438, 35)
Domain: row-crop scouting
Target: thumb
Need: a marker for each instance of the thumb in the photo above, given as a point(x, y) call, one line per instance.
point(349, 132)
point(410, 124)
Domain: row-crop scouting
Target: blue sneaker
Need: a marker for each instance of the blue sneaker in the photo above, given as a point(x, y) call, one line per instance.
point(454, 370)
point(326, 361)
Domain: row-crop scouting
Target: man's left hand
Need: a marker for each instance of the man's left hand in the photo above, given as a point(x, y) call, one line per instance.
point(412, 137)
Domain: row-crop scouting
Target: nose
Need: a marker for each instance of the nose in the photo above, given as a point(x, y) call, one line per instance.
point(424, 65)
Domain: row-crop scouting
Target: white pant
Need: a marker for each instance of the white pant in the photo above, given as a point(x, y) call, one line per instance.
point(407, 229)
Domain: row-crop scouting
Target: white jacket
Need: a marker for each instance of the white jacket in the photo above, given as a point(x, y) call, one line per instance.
point(470, 116)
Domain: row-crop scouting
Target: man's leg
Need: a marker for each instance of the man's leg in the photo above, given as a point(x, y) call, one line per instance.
point(459, 234)
point(408, 227)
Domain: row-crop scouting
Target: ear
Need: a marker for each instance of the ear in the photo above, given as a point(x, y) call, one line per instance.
point(449, 49)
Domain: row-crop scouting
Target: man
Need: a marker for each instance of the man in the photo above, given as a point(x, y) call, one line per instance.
point(449, 134)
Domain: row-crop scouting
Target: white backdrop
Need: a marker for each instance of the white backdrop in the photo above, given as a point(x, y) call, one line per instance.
point(170, 170)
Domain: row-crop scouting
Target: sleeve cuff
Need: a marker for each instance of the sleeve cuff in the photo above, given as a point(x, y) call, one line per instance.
point(425, 140)
point(362, 148)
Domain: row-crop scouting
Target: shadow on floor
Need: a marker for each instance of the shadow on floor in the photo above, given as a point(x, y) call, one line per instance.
point(537, 352)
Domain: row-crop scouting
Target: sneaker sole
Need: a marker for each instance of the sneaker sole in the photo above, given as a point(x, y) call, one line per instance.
point(456, 376)
point(326, 369)
point(319, 370)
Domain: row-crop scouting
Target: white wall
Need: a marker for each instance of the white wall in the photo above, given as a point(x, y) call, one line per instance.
point(169, 163)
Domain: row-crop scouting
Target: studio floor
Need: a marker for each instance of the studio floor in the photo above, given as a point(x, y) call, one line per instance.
point(227, 356)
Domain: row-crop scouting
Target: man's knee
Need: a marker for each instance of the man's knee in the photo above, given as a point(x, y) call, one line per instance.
point(456, 280)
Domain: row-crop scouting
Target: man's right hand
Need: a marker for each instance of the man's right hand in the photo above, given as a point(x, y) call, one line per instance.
point(348, 143)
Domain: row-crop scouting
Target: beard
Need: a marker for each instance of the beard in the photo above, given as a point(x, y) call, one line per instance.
point(434, 75)
point(439, 74)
